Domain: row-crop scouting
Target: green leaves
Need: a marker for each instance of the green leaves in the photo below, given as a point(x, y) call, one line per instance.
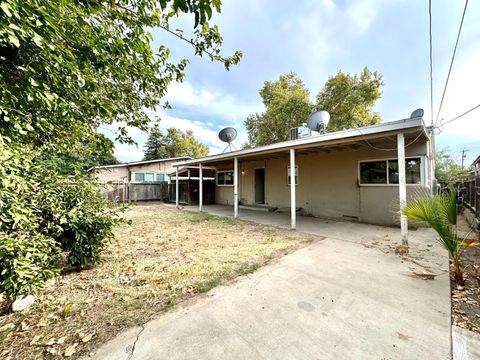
point(350, 99)
point(447, 170)
point(174, 144)
point(95, 58)
point(287, 105)
point(440, 212)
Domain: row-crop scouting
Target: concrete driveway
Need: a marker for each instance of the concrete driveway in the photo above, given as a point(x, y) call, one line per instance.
point(346, 296)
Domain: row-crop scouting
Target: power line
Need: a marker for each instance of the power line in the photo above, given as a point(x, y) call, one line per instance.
point(459, 116)
point(451, 62)
point(431, 61)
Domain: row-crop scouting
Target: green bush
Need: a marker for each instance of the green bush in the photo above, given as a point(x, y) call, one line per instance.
point(43, 212)
point(78, 216)
point(27, 262)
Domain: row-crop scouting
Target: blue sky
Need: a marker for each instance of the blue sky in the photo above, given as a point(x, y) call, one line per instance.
point(315, 39)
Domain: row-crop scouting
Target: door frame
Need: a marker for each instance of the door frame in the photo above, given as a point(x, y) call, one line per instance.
point(264, 185)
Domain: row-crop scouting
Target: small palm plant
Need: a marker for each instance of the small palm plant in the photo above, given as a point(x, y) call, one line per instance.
point(440, 212)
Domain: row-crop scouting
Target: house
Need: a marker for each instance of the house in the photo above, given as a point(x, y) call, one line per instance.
point(138, 171)
point(475, 167)
point(361, 174)
point(137, 181)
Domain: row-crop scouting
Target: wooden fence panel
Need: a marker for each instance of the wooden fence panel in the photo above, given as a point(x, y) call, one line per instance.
point(147, 191)
point(470, 190)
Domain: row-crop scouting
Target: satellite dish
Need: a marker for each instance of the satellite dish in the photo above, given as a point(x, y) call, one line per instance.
point(228, 135)
point(417, 114)
point(318, 121)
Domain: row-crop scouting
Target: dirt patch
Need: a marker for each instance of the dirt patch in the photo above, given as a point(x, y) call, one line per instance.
point(164, 257)
point(466, 299)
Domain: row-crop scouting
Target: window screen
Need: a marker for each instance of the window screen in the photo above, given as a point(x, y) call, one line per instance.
point(373, 172)
point(288, 175)
point(149, 177)
point(140, 177)
point(225, 178)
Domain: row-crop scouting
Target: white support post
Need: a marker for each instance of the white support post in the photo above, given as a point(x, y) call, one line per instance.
point(200, 187)
point(402, 186)
point(176, 187)
point(293, 207)
point(235, 187)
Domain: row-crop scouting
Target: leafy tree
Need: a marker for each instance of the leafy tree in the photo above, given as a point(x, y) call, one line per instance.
point(69, 66)
point(98, 150)
point(287, 105)
point(350, 99)
point(175, 143)
point(66, 67)
point(447, 170)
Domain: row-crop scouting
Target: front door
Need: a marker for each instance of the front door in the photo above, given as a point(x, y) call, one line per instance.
point(259, 186)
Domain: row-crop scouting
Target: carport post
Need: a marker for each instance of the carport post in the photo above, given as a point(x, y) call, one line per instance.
point(176, 186)
point(235, 187)
point(402, 186)
point(292, 190)
point(200, 187)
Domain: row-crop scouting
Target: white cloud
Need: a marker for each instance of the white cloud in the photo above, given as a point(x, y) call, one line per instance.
point(216, 102)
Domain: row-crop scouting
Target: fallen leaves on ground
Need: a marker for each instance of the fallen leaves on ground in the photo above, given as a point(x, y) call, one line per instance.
point(165, 256)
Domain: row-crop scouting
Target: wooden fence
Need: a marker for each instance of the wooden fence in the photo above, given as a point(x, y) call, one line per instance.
point(120, 192)
point(470, 194)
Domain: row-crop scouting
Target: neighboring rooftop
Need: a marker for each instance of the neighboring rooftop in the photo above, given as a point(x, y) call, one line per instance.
point(142, 162)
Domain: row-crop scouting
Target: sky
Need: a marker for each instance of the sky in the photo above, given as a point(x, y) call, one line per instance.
point(315, 39)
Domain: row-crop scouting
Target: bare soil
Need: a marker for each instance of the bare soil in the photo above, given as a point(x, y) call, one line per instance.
point(466, 299)
point(162, 258)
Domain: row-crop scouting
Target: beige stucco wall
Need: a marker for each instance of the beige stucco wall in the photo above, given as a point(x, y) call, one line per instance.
point(105, 175)
point(328, 185)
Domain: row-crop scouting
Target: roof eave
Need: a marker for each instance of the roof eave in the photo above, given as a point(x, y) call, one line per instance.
point(392, 126)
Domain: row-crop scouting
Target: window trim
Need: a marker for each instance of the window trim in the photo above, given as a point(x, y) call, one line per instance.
point(224, 171)
point(155, 181)
point(422, 171)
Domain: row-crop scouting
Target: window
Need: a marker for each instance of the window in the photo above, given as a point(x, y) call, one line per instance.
point(224, 178)
point(385, 172)
point(288, 175)
point(144, 177)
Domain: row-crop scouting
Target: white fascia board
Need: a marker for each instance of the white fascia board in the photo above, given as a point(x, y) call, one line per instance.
point(390, 126)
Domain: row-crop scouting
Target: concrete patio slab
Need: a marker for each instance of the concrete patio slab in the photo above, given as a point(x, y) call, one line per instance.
point(347, 296)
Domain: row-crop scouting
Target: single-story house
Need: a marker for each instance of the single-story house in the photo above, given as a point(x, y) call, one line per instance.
point(146, 171)
point(361, 174)
point(475, 167)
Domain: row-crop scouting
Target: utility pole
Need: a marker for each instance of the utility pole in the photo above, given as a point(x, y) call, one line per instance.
point(463, 155)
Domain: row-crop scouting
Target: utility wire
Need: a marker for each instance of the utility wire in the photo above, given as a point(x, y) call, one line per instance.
point(459, 116)
point(431, 61)
point(451, 62)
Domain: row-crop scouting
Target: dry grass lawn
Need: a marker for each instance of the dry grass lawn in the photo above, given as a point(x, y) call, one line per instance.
point(163, 257)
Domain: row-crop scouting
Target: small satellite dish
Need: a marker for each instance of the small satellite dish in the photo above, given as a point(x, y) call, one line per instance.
point(318, 121)
point(228, 135)
point(417, 114)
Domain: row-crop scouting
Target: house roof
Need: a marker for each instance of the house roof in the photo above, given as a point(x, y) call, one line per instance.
point(475, 162)
point(141, 162)
point(398, 126)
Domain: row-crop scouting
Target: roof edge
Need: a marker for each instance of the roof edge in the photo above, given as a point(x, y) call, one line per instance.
point(387, 126)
